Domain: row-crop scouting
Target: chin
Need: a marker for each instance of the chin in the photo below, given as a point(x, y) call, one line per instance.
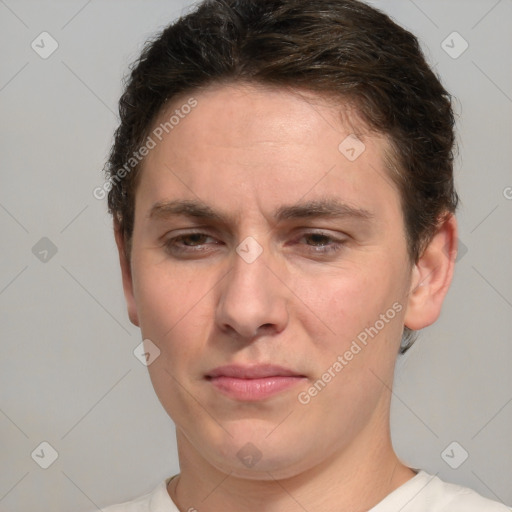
point(277, 468)
point(257, 458)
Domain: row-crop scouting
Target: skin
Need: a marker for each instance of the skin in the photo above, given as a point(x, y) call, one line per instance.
point(246, 151)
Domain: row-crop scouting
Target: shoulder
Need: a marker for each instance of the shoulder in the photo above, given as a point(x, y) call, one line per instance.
point(140, 504)
point(457, 498)
point(157, 500)
point(428, 493)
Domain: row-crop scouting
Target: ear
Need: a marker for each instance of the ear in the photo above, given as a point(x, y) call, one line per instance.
point(126, 273)
point(431, 276)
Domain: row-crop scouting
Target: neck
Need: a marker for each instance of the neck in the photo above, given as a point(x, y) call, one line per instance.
point(356, 479)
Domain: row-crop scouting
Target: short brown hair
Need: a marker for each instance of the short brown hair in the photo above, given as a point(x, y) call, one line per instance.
point(343, 48)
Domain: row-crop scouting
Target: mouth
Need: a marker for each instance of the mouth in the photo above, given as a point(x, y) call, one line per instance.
point(253, 383)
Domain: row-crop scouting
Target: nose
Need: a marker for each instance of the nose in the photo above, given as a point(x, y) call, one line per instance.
point(253, 299)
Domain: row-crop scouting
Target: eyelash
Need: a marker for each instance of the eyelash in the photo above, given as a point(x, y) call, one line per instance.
point(171, 245)
point(336, 244)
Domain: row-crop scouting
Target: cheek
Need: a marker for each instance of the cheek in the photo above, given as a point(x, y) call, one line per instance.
point(167, 303)
point(336, 304)
point(174, 311)
point(357, 354)
point(356, 313)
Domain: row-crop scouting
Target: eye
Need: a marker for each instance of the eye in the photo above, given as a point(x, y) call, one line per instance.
point(317, 239)
point(322, 243)
point(192, 239)
point(190, 243)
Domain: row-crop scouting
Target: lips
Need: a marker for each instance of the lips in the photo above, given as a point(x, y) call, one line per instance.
point(252, 383)
point(252, 372)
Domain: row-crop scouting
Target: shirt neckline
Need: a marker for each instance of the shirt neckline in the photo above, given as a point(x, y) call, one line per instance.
point(400, 496)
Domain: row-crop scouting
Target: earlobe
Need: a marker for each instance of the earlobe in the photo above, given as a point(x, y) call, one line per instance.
point(126, 274)
point(432, 275)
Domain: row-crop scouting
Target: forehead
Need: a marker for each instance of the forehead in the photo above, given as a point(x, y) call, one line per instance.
point(244, 143)
point(251, 113)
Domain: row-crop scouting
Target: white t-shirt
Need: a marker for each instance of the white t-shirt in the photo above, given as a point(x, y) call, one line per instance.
point(422, 493)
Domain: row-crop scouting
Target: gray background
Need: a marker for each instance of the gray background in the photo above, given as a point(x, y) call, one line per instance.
point(68, 375)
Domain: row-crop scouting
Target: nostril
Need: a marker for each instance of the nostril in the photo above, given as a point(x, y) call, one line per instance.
point(264, 329)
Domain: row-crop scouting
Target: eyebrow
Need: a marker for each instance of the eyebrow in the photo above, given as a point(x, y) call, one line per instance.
point(187, 208)
point(319, 208)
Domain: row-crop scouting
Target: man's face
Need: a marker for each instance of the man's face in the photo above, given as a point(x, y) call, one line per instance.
point(328, 223)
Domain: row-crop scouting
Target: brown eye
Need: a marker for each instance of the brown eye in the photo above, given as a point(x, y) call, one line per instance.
point(194, 239)
point(321, 243)
point(318, 239)
point(190, 244)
